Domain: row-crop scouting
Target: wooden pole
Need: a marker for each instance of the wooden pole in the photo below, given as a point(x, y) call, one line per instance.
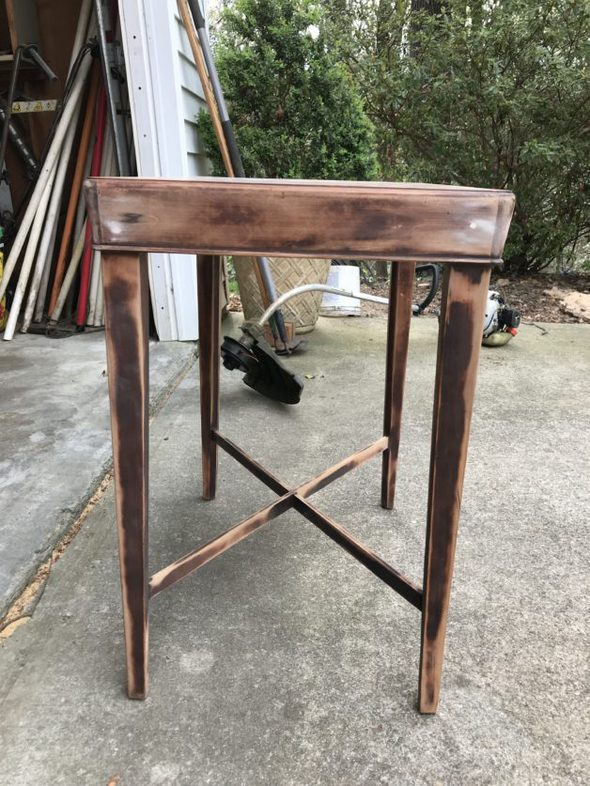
point(187, 20)
point(77, 180)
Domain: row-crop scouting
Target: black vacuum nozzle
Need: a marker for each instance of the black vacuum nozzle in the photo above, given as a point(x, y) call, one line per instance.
point(264, 372)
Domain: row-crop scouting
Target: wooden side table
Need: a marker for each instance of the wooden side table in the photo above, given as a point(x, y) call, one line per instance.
point(463, 228)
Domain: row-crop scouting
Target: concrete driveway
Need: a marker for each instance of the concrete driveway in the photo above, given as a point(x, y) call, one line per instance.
point(285, 662)
point(55, 440)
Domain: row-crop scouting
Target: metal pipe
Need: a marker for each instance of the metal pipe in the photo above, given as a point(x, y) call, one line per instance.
point(228, 130)
point(25, 271)
point(262, 262)
point(33, 53)
point(20, 145)
point(81, 208)
point(8, 112)
point(317, 288)
point(188, 21)
point(52, 218)
point(93, 287)
point(116, 119)
point(99, 310)
point(82, 27)
point(226, 124)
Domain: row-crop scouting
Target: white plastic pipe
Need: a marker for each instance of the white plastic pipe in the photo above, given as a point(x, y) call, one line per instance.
point(106, 167)
point(316, 288)
point(91, 24)
point(51, 219)
point(81, 37)
point(69, 276)
point(93, 288)
point(99, 310)
point(99, 315)
point(44, 285)
point(47, 169)
point(28, 260)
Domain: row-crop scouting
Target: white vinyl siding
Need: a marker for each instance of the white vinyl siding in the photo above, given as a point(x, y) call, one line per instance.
point(166, 97)
point(193, 100)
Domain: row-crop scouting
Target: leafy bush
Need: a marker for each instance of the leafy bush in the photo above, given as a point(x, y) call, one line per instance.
point(295, 109)
point(492, 93)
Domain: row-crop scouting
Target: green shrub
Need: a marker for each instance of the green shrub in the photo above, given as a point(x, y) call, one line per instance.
point(295, 109)
point(492, 93)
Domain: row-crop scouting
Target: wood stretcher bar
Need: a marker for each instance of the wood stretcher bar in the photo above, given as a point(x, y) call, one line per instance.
point(178, 570)
point(291, 498)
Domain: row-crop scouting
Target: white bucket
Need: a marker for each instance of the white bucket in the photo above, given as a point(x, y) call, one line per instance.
point(343, 277)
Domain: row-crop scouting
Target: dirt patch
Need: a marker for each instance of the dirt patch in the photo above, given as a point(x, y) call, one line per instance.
point(573, 303)
point(538, 298)
point(22, 609)
point(545, 298)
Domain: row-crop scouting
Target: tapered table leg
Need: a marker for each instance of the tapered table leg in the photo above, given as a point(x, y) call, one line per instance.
point(125, 282)
point(398, 331)
point(208, 278)
point(461, 323)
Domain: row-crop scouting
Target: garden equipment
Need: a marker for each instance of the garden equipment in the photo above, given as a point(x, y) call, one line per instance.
point(265, 373)
point(263, 370)
point(113, 78)
point(218, 109)
point(500, 322)
point(30, 162)
point(201, 67)
point(22, 53)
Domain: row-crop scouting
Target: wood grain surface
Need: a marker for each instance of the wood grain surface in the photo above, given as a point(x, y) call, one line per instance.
point(300, 218)
point(125, 282)
point(208, 282)
point(463, 303)
point(401, 291)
